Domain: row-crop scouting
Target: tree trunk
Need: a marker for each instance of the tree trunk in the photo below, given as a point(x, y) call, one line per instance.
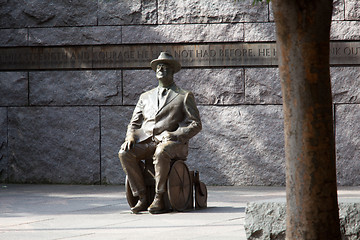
point(303, 33)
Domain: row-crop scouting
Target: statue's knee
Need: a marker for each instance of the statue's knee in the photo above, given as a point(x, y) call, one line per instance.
point(126, 156)
point(161, 153)
point(122, 154)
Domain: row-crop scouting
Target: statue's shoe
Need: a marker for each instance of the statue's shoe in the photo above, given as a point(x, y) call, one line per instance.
point(157, 205)
point(140, 206)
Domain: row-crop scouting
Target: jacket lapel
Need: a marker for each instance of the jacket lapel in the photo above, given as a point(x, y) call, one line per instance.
point(171, 96)
point(153, 98)
point(173, 93)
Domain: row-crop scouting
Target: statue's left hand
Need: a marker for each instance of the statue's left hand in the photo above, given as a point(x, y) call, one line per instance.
point(168, 136)
point(128, 144)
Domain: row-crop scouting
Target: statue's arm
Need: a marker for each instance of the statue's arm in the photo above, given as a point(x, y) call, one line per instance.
point(192, 123)
point(135, 123)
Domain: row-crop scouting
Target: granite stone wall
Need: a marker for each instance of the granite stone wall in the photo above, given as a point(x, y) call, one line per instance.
point(66, 126)
point(267, 219)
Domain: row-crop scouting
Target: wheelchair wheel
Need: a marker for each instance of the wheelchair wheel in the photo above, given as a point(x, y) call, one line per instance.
point(179, 186)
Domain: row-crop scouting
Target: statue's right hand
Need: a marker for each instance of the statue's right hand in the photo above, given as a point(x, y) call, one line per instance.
point(128, 144)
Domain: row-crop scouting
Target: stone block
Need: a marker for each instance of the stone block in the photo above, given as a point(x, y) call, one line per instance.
point(40, 13)
point(114, 121)
point(137, 82)
point(76, 88)
point(210, 86)
point(348, 144)
point(183, 33)
point(338, 10)
point(214, 86)
point(54, 145)
point(13, 88)
point(127, 12)
point(13, 37)
point(217, 11)
point(262, 86)
point(345, 84)
point(3, 144)
point(75, 36)
point(271, 13)
point(352, 10)
point(259, 32)
point(267, 219)
point(345, 30)
point(239, 145)
point(349, 214)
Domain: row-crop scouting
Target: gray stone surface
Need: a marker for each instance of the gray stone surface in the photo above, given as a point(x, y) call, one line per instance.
point(239, 145)
point(13, 88)
point(266, 219)
point(345, 30)
point(217, 11)
point(54, 145)
point(271, 13)
point(338, 10)
point(262, 86)
point(259, 32)
point(75, 88)
point(13, 37)
point(350, 220)
point(210, 86)
point(214, 86)
point(3, 144)
point(114, 121)
point(352, 10)
point(348, 144)
point(75, 36)
point(137, 82)
point(127, 12)
point(39, 13)
point(183, 33)
point(345, 84)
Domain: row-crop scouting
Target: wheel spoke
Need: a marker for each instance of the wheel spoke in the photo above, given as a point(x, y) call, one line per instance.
point(183, 175)
point(177, 173)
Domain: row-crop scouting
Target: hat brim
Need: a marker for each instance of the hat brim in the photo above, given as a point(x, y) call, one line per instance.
point(176, 66)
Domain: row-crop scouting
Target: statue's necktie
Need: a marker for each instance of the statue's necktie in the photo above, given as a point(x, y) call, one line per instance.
point(162, 97)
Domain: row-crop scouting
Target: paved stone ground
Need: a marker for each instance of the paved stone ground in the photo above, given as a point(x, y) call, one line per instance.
point(101, 212)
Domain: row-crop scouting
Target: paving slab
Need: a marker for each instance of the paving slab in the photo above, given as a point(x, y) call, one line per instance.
point(80, 212)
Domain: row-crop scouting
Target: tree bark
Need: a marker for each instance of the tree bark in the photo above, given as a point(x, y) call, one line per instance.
point(303, 38)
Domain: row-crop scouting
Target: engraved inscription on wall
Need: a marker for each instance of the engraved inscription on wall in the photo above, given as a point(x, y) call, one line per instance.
point(139, 56)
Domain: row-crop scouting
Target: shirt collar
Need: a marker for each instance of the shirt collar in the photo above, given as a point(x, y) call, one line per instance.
point(172, 86)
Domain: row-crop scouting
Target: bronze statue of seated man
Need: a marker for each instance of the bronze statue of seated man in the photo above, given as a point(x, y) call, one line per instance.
point(164, 120)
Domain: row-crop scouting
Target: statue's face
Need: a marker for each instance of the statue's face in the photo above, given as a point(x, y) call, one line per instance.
point(164, 72)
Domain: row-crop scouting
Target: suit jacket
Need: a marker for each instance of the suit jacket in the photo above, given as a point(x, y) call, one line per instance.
point(178, 115)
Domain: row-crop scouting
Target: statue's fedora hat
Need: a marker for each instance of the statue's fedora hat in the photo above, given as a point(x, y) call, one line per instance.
point(166, 57)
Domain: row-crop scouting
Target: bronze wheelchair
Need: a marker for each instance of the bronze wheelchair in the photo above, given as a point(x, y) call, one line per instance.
point(181, 185)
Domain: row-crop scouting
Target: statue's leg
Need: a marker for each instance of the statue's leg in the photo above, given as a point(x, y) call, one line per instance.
point(130, 163)
point(164, 153)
